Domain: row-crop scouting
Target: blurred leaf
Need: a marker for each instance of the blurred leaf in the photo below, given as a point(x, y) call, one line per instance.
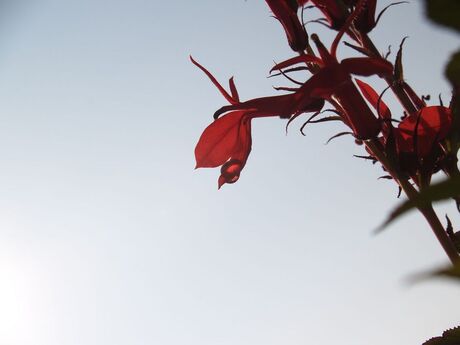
point(453, 67)
point(452, 73)
point(443, 190)
point(444, 12)
point(451, 272)
point(449, 337)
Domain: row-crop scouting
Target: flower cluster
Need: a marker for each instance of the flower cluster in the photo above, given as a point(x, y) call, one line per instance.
point(414, 147)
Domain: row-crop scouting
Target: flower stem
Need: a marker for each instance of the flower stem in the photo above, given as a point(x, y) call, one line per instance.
point(411, 193)
point(427, 211)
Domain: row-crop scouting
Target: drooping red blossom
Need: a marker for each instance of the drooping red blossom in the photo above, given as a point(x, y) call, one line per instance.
point(286, 12)
point(333, 83)
point(227, 141)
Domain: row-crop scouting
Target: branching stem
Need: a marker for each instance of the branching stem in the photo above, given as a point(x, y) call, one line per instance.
point(411, 193)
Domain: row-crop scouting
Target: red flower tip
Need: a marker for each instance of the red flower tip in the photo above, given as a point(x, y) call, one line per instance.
point(230, 172)
point(334, 14)
point(286, 12)
point(365, 20)
point(337, 15)
point(233, 98)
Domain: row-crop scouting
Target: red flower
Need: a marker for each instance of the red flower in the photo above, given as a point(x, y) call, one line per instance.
point(286, 12)
point(366, 20)
point(333, 83)
point(335, 14)
point(420, 133)
point(227, 141)
point(417, 134)
point(338, 11)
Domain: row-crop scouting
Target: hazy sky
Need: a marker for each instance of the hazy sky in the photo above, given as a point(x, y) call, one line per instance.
point(108, 235)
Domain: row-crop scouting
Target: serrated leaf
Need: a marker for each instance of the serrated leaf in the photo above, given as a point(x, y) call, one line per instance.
point(449, 337)
point(443, 190)
point(444, 12)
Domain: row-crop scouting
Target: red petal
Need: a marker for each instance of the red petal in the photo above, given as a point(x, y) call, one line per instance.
point(233, 90)
point(295, 32)
point(356, 112)
point(433, 126)
point(283, 106)
point(365, 21)
point(323, 83)
point(224, 93)
point(219, 141)
point(367, 66)
point(332, 11)
point(295, 60)
point(327, 58)
point(373, 97)
point(230, 171)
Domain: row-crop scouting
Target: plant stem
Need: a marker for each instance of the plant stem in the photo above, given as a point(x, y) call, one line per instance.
point(411, 193)
point(406, 186)
point(427, 211)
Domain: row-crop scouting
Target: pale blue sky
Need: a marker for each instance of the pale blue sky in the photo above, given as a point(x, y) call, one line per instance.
point(108, 235)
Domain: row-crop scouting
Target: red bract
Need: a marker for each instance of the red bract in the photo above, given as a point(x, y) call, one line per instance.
point(227, 141)
point(286, 12)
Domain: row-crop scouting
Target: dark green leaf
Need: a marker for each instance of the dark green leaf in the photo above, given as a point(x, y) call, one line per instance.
point(449, 337)
point(444, 12)
point(443, 190)
point(451, 272)
point(453, 68)
point(453, 75)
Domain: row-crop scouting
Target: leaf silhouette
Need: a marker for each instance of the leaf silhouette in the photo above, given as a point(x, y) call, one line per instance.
point(449, 188)
point(449, 337)
point(444, 12)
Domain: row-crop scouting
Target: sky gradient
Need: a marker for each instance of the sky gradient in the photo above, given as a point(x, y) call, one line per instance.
point(108, 235)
